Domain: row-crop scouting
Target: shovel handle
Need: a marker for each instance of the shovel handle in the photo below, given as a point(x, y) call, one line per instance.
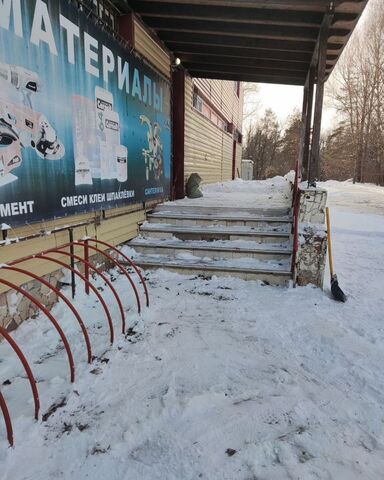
point(329, 241)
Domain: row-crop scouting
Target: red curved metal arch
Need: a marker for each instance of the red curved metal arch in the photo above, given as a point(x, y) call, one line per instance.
point(65, 300)
point(119, 265)
point(51, 318)
point(92, 287)
point(130, 261)
point(7, 419)
point(27, 368)
point(98, 272)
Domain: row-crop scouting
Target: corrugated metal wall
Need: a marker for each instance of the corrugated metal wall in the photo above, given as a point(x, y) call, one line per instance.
point(208, 149)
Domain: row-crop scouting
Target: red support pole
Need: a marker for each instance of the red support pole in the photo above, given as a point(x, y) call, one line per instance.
point(130, 262)
point(27, 368)
point(51, 318)
point(86, 267)
point(7, 419)
point(119, 265)
point(98, 272)
point(65, 300)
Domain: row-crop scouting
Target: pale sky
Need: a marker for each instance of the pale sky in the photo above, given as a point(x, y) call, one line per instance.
point(283, 99)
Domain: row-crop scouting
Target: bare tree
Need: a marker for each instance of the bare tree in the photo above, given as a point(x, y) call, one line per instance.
point(357, 90)
point(252, 101)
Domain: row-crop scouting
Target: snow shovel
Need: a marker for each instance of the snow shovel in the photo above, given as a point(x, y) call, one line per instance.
point(337, 293)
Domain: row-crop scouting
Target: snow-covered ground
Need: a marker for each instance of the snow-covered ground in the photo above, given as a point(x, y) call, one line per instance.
point(220, 379)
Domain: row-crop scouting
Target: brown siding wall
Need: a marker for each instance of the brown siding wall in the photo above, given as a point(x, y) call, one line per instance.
point(222, 94)
point(208, 149)
point(114, 230)
point(150, 50)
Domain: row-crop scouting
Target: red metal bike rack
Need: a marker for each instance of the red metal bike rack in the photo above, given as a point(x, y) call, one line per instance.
point(51, 318)
point(7, 419)
point(65, 300)
point(130, 262)
point(88, 285)
point(98, 272)
point(27, 368)
point(115, 262)
point(92, 287)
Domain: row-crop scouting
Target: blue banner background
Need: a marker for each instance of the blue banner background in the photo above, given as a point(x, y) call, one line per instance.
point(46, 181)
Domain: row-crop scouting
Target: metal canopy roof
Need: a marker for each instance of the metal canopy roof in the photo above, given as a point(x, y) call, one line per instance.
point(266, 41)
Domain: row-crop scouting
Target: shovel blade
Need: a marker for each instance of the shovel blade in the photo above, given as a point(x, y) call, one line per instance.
point(337, 293)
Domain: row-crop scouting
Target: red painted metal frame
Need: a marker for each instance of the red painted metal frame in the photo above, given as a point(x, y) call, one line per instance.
point(92, 287)
point(80, 275)
point(7, 419)
point(88, 285)
point(118, 264)
point(65, 300)
point(98, 272)
point(130, 262)
point(86, 269)
point(27, 368)
point(51, 318)
point(296, 209)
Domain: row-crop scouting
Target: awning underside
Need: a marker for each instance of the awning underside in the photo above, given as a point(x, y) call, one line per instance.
point(266, 41)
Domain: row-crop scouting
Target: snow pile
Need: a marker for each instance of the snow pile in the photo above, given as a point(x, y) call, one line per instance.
point(220, 379)
point(274, 192)
point(362, 197)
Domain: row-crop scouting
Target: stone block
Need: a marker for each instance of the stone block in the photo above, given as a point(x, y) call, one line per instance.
point(311, 257)
point(312, 205)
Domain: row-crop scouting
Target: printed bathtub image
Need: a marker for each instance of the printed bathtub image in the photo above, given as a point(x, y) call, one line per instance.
point(20, 125)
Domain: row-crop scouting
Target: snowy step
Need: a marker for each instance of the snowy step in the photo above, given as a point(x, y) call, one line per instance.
point(172, 207)
point(273, 273)
point(158, 230)
point(219, 249)
point(226, 219)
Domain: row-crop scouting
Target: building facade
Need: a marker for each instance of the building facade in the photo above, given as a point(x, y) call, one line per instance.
point(90, 132)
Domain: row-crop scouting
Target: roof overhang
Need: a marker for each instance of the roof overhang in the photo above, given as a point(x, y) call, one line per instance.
point(266, 41)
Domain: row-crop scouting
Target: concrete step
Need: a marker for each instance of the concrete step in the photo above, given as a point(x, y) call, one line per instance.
point(271, 273)
point(210, 233)
point(214, 209)
point(219, 219)
point(215, 250)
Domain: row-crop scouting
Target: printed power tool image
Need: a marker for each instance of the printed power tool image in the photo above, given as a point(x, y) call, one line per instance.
point(20, 125)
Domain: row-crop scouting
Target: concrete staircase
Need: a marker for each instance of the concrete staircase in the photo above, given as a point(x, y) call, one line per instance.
point(250, 243)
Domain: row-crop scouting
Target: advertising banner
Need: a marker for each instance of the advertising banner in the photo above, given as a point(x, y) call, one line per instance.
point(84, 123)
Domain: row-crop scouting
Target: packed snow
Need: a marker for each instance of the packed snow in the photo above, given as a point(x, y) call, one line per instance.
point(275, 192)
point(220, 379)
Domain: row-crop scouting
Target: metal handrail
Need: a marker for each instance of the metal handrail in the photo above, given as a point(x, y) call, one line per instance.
point(296, 210)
